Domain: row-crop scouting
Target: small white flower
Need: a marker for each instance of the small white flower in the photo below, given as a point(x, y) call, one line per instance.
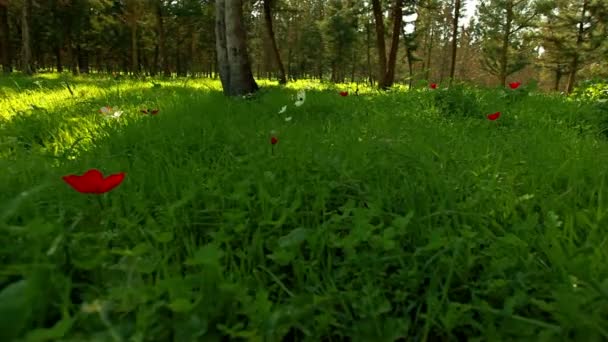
point(301, 98)
point(116, 115)
point(288, 118)
point(283, 110)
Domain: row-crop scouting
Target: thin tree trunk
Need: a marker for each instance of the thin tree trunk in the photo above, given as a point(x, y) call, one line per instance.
point(275, 48)
point(428, 54)
point(457, 5)
point(164, 61)
point(579, 41)
point(504, 57)
point(134, 56)
point(558, 78)
point(58, 61)
point(370, 73)
point(26, 49)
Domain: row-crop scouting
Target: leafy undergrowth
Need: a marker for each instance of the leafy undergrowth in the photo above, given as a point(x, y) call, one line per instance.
point(376, 217)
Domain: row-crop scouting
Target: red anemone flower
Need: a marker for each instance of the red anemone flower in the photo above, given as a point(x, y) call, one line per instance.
point(343, 93)
point(274, 140)
point(514, 85)
point(433, 85)
point(494, 116)
point(93, 182)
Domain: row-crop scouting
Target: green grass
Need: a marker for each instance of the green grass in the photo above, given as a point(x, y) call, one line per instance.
point(380, 216)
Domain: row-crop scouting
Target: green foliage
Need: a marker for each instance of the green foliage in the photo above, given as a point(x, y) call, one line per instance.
point(458, 101)
point(374, 219)
point(593, 90)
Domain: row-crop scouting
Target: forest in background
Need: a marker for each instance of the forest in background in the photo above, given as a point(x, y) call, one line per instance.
point(555, 43)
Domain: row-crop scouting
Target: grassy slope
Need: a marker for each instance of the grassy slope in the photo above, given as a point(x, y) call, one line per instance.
point(378, 216)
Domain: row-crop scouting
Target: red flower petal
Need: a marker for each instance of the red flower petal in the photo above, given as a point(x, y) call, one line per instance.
point(514, 85)
point(433, 85)
point(92, 182)
point(110, 182)
point(274, 140)
point(494, 116)
point(343, 93)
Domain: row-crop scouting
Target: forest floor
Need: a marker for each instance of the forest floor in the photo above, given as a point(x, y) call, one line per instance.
point(405, 215)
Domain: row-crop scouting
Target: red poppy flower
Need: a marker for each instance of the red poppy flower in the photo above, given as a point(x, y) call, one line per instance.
point(433, 85)
point(93, 182)
point(343, 93)
point(514, 85)
point(494, 116)
point(274, 140)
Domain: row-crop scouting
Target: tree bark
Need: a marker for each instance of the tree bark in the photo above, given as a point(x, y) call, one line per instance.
point(231, 44)
point(134, 59)
point(504, 54)
point(457, 5)
point(26, 48)
point(164, 61)
point(389, 78)
point(5, 42)
point(579, 41)
point(380, 43)
point(275, 48)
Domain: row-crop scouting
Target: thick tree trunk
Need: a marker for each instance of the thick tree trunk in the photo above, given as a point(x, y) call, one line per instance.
point(457, 5)
point(26, 48)
point(380, 43)
point(574, 65)
point(83, 60)
point(231, 44)
point(275, 48)
point(504, 56)
point(389, 78)
point(220, 44)
point(5, 42)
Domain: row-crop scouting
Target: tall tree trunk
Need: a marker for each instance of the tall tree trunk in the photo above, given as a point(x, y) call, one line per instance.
point(504, 54)
point(164, 61)
point(134, 59)
point(26, 48)
point(389, 78)
point(220, 43)
point(409, 55)
point(558, 78)
point(429, 53)
point(58, 61)
point(235, 68)
point(579, 41)
point(380, 43)
point(275, 48)
point(83, 59)
point(457, 5)
point(5, 42)
point(370, 73)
